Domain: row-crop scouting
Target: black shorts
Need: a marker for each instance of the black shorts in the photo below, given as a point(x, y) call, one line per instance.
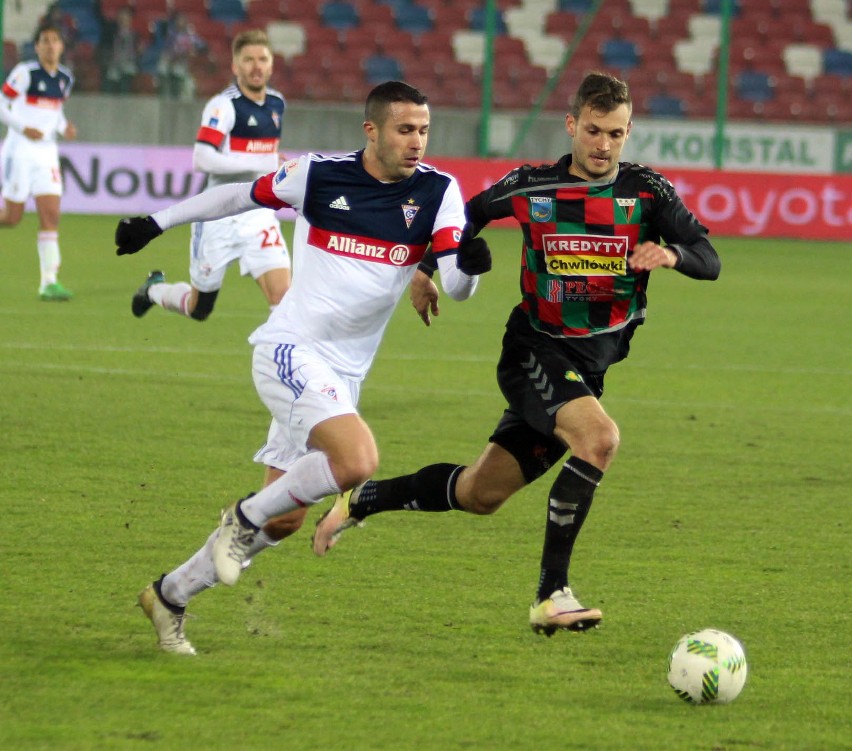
point(537, 375)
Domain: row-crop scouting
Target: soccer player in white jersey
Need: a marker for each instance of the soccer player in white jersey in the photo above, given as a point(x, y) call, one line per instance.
point(31, 108)
point(364, 221)
point(237, 142)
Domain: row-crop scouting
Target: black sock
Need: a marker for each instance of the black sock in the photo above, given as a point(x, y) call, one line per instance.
point(430, 489)
point(568, 505)
point(158, 588)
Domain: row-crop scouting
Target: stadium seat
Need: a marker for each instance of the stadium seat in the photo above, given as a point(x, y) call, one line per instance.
point(70, 6)
point(375, 14)
point(414, 19)
point(227, 11)
point(665, 105)
point(651, 10)
point(621, 54)
point(803, 60)
point(469, 47)
point(149, 9)
point(381, 68)
point(577, 7)
point(477, 19)
point(837, 62)
point(754, 86)
point(340, 15)
point(714, 7)
point(394, 4)
point(286, 38)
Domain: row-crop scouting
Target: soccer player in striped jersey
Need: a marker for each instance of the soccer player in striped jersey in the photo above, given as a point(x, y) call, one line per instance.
point(364, 221)
point(237, 142)
point(593, 229)
point(31, 106)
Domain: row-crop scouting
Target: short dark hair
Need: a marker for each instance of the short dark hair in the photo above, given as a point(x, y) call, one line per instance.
point(601, 92)
point(46, 28)
point(387, 93)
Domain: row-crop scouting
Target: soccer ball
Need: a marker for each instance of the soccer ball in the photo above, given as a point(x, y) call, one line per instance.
point(707, 667)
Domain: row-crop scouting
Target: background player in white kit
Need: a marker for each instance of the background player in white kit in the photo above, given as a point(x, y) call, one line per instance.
point(364, 221)
point(237, 142)
point(31, 106)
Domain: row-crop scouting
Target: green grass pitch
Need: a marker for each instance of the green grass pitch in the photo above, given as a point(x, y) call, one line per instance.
point(727, 507)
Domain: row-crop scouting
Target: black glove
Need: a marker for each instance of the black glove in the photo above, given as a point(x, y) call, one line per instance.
point(134, 233)
point(473, 255)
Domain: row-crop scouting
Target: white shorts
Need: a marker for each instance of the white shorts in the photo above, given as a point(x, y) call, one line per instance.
point(30, 172)
point(253, 237)
point(300, 390)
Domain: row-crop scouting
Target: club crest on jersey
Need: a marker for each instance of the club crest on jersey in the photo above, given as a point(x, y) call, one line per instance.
point(276, 119)
point(409, 211)
point(541, 208)
point(627, 205)
point(330, 392)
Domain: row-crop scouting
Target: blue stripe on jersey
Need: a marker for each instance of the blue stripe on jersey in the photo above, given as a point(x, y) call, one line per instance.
point(285, 369)
point(195, 240)
point(376, 210)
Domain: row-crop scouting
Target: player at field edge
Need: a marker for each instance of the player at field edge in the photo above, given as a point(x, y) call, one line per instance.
point(237, 142)
point(31, 106)
point(364, 221)
point(592, 230)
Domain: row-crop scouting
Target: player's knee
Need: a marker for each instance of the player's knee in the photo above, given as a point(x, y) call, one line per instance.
point(603, 445)
point(484, 504)
point(357, 467)
point(204, 305)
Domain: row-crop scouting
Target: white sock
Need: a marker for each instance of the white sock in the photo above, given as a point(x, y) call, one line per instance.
point(48, 256)
point(174, 297)
point(198, 573)
point(307, 482)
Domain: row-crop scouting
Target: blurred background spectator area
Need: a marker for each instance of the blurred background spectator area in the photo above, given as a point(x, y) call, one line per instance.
point(790, 60)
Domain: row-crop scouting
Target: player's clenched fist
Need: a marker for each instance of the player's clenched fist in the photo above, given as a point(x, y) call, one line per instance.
point(473, 255)
point(134, 233)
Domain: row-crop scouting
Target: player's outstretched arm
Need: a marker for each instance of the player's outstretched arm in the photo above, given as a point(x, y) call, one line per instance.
point(225, 200)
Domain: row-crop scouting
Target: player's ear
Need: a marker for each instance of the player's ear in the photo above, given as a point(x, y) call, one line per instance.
point(570, 124)
point(370, 130)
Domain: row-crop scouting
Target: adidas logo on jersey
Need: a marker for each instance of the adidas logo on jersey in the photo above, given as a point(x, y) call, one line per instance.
point(339, 203)
point(252, 121)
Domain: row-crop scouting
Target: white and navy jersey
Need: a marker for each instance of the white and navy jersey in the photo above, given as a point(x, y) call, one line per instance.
point(245, 134)
point(357, 244)
point(33, 98)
